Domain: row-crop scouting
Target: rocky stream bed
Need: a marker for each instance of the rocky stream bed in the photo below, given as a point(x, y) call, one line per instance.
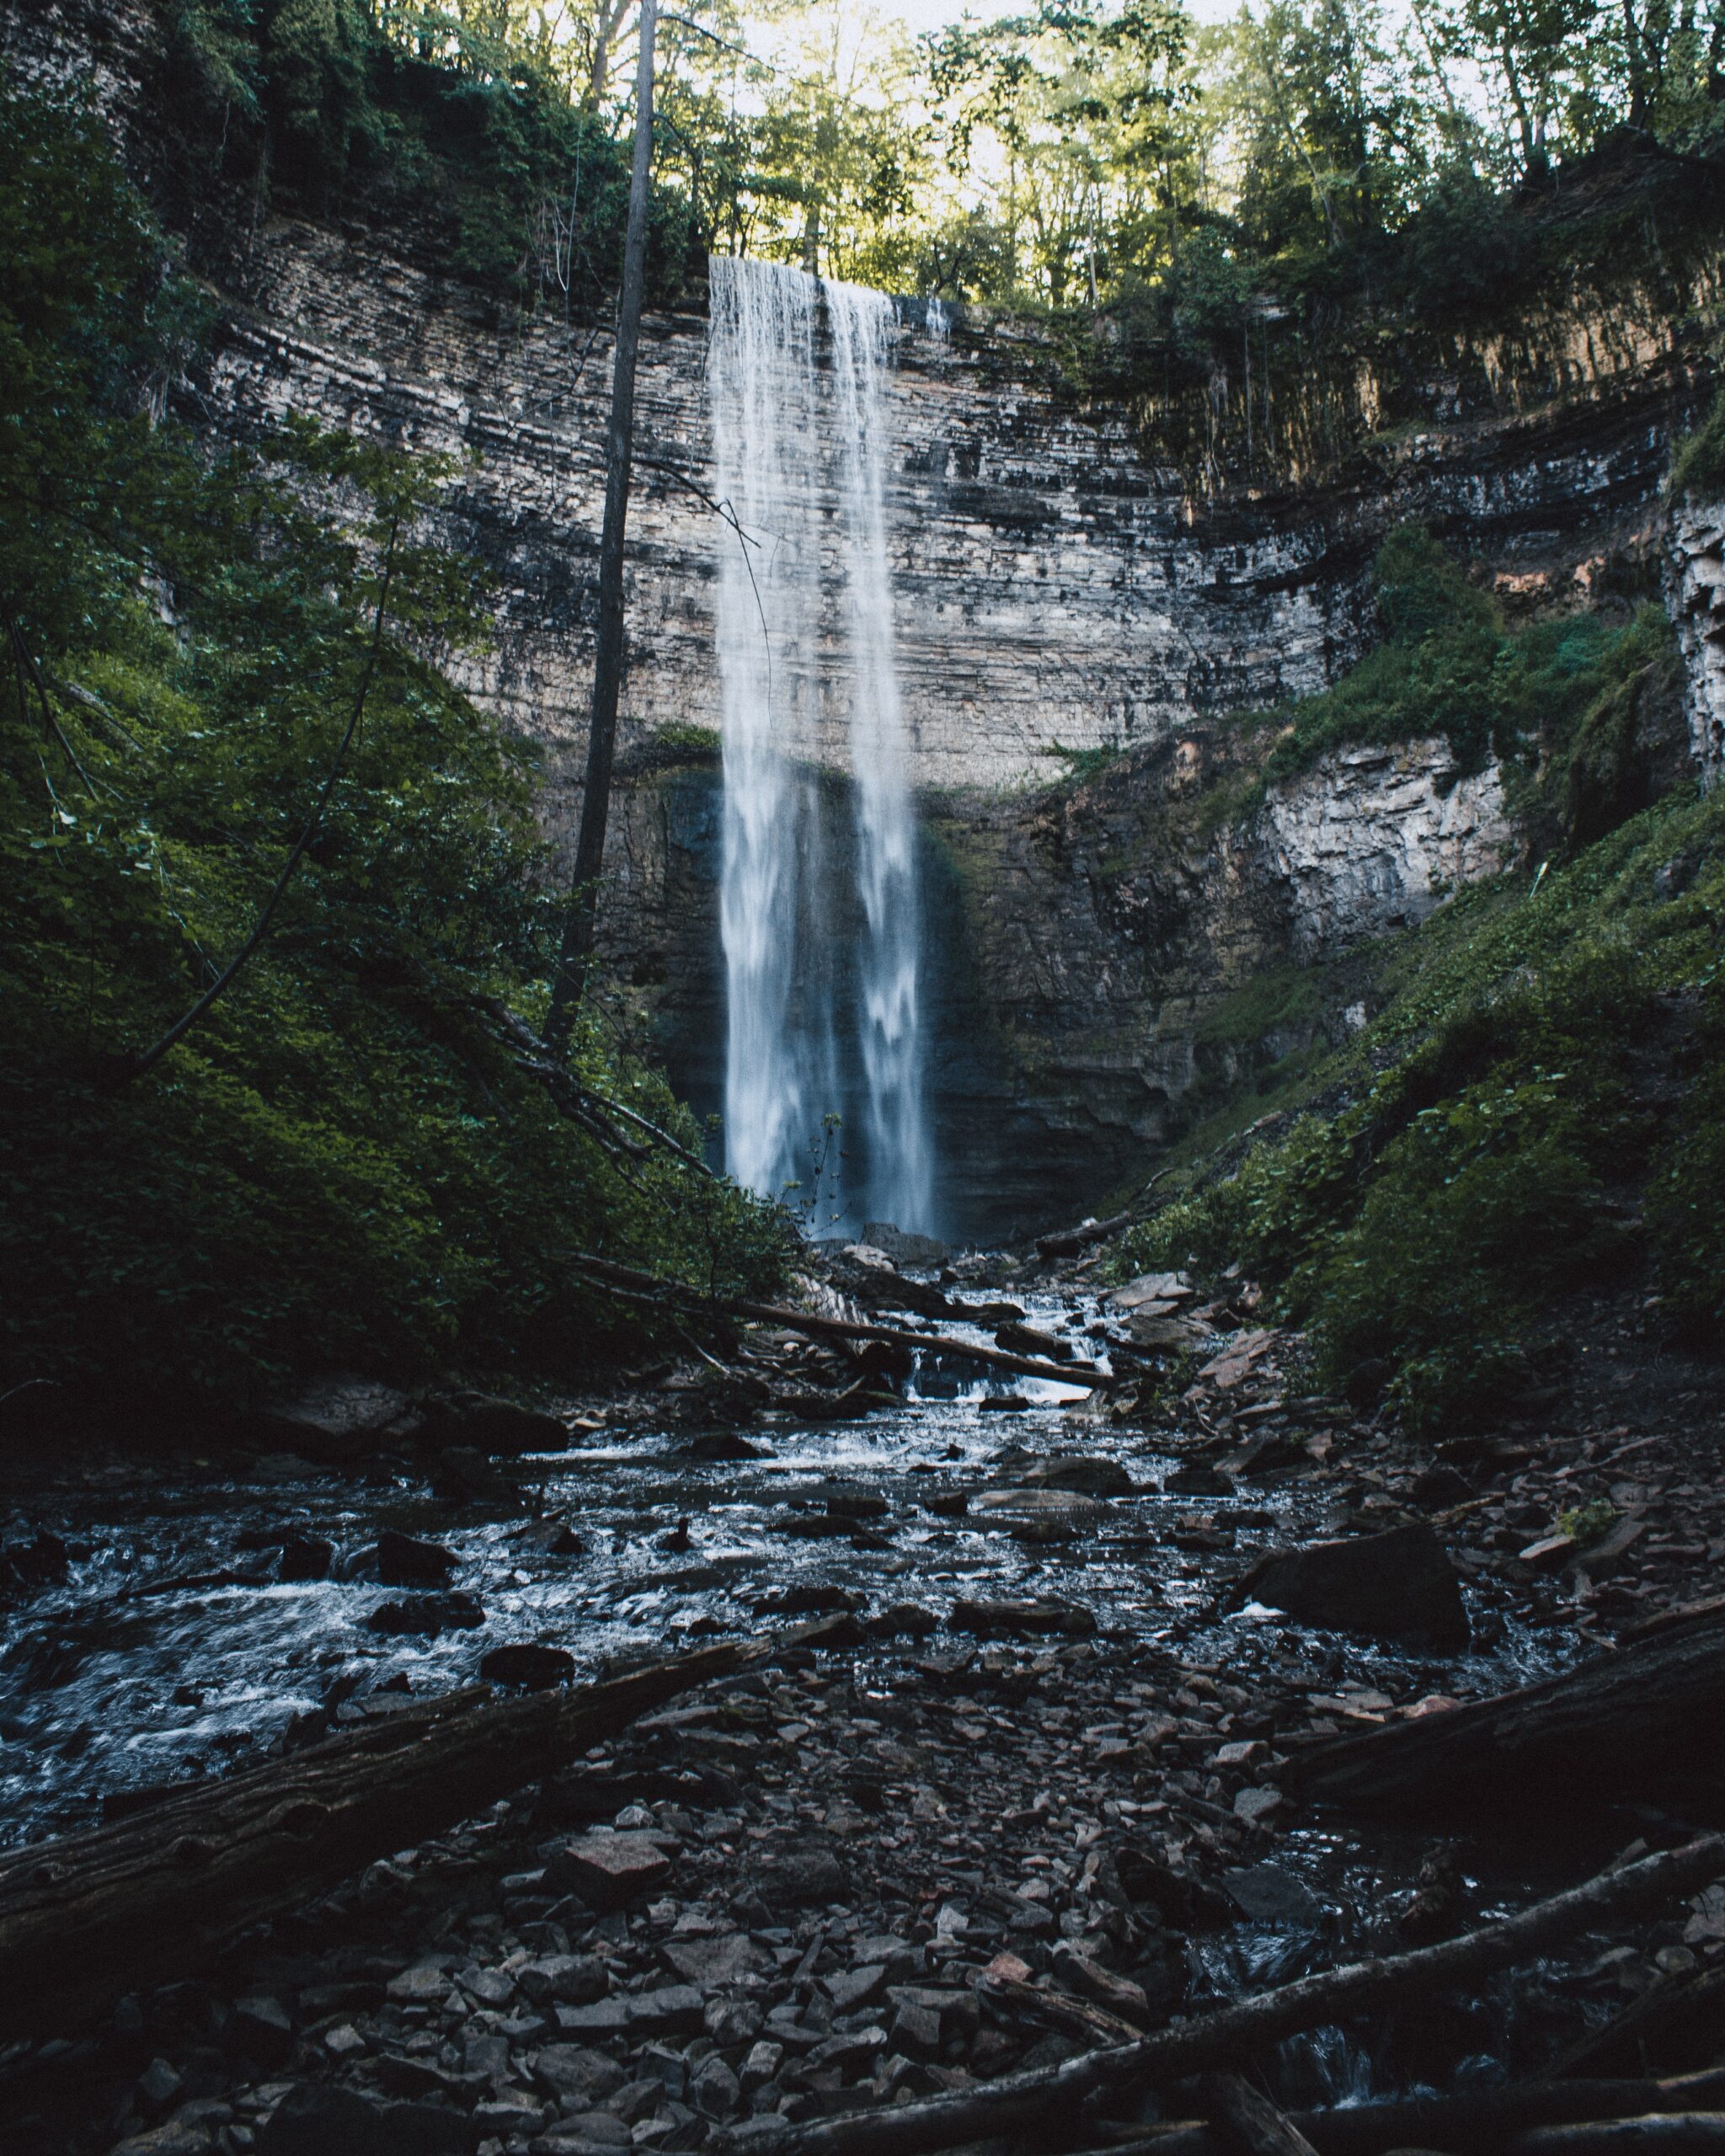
point(1038, 1794)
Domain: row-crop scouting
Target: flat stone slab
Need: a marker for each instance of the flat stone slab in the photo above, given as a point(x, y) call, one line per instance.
point(609, 1871)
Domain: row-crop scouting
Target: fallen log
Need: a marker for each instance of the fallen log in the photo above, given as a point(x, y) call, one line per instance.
point(153, 1897)
point(1248, 2124)
point(1025, 2103)
point(1068, 1242)
point(1686, 2013)
point(1475, 2121)
point(1671, 2133)
point(652, 1286)
point(1620, 1724)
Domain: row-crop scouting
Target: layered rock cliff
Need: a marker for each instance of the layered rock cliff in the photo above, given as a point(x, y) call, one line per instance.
point(1066, 576)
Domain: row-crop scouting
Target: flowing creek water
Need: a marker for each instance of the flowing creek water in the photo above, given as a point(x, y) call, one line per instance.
point(172, 1647)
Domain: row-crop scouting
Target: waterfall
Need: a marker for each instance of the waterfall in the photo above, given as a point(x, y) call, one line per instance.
point(822, 941)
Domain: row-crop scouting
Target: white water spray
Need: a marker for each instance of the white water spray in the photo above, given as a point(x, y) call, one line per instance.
point(814, 1003)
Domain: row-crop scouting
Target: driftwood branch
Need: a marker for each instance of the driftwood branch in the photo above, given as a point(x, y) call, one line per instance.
point(1025, 2103)
point(677, 1293)
point(150, 1898)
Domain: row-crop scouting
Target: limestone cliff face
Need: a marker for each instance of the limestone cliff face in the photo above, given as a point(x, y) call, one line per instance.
point(1698, 608)
point(1104, 960)
point(1374, 838)
point(1103, 956)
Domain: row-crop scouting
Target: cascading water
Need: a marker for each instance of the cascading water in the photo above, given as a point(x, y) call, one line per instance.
point(823, 983)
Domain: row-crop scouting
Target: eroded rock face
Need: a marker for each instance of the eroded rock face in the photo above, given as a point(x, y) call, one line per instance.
point(1698, 608)
point(1374, 839)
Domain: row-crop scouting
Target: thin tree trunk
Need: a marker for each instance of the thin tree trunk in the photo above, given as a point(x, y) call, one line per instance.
point(579, 920)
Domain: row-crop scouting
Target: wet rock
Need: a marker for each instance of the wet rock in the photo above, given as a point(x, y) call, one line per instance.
point(1089, 1477)
point(903, 1248)
point(1398, 1586)
point(464, 1472)
point(556, 1538)
point(313, 2119)
point(528, 1664)
point(1021, 1619)
point(1550, 1553)
point(426, 1613)
point(304, 1557)
point(722, 1444)
point(901, 1620)
point(403, 1561)
point(1041, 1515)
point(1196, 1480)
point(338, 1419)
point(1269, 1893)
point(1019, 1339)
point(807, 1602)
point(609, 1870)
point(489, 1423)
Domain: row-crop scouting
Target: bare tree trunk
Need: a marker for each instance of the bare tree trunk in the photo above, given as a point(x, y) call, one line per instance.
point(579, 921)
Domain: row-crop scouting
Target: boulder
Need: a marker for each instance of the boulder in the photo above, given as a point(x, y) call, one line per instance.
point(340, 1418)
point(609, 1871)
point(1041, 1515)
point(402, 1561)
point(489, 1423)
point(527, 1663)
point(427, 1614)
point(313, 2119)
point(1398, 1586)
point(1091, 1478)
point(1018, 1339)
point(304, 1557)
point(803, 1873)
point(903, 1248)
point(1021, 1619)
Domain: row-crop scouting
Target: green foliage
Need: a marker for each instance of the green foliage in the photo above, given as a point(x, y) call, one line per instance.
point(1483, 1146)
point(344, 1161)
point(1574, 707)
point(1698, 467)
point(1588, 1522)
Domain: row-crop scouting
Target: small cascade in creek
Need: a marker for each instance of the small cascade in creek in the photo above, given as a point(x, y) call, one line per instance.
point(821, 928)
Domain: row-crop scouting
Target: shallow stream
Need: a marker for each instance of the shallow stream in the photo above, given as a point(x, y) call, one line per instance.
point(171, 1649)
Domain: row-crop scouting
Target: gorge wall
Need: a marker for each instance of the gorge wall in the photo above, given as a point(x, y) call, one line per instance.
point(1063, 579)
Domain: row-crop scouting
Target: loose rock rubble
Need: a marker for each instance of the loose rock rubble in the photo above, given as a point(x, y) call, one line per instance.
point(979, 1833)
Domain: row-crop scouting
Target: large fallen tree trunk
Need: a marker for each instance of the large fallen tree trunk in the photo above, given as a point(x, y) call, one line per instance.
point(87, 1917)
point(1027, 2103)
point(1476, 2121)
point(1616, 1725)
point(649, 1285)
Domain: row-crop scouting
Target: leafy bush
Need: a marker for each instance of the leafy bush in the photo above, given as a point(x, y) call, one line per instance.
point(344, 1159)
point(1698, 467)
point(1576, 709)
point(1478, 1151)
